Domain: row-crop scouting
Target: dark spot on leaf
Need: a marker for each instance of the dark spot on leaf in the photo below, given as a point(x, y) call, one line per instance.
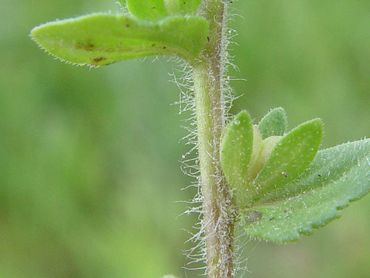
point(88, 46)
point(97, 60)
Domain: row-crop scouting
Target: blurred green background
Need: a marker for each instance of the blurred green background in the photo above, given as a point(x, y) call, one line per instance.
point(89, 159)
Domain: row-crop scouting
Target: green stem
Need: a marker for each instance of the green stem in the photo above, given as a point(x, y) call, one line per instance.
point(208, 76)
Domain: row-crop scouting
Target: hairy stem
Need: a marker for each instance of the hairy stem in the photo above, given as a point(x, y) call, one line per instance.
point(218, 222)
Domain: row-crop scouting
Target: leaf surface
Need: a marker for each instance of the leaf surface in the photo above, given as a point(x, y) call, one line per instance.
point(102, 39)
point(236, 153)
point(182, 6)
point(290, 157)
point(274, 123)
point(148, 9)
point(329, 185)
point(156, 9)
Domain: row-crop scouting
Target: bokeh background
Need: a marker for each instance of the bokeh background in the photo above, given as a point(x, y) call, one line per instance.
point(90, 176)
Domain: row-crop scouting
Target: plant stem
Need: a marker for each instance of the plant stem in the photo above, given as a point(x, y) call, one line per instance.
point(208, 76)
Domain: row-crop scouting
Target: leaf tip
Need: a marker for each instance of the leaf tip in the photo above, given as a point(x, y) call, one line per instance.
point(275, 122)
point(316, 126)
point(242, 118)
point(36, 33)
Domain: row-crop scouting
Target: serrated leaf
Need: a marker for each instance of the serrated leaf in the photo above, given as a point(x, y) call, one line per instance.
point(290, 157)
point(156, 9)
point(331, 183)
point(102, 39)
point(329, 164)
point(274, 123)
point(236, 153)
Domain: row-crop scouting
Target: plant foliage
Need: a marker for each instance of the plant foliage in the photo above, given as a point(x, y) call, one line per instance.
point(282, 185)
point(294, 190)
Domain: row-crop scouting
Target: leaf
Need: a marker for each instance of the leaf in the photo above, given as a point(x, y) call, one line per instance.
point(344, 177)
point(156, 9)
point(290, 157)
point(274, 123)
point(236, 153)
point(102, 39)
point(329, 164)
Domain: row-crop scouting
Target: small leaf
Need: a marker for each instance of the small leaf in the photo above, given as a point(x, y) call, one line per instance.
point(290, 157)
point(157, 9)
point(275, 123)
point(102, 39)
point(236, 153)
point(337, 176)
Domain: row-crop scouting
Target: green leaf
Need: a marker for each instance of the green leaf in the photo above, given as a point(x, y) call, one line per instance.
point(102, 39)
point(290, 157)
point(274, 123)
point(328, 165)
point(337, 176)
point(156, 9)
point(236, 153)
